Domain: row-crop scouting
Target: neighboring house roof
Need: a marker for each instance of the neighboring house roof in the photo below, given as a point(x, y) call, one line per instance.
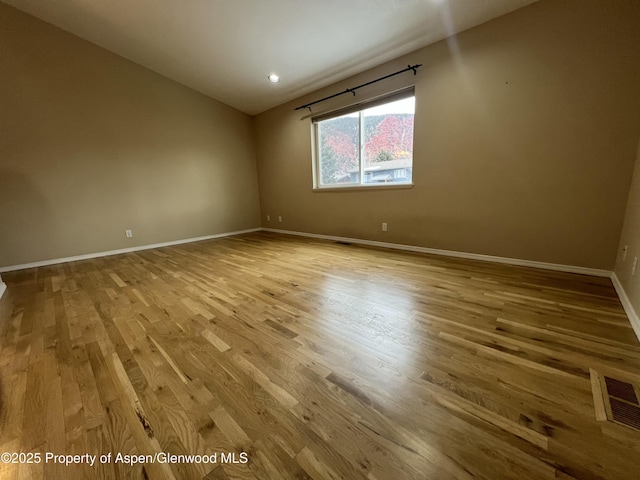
point(388, 165)
point(382, 177)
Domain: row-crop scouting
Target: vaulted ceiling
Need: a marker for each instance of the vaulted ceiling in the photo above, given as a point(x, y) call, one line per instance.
point(227, 48)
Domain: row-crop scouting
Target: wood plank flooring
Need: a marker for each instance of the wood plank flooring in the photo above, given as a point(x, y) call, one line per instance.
point(292, 358)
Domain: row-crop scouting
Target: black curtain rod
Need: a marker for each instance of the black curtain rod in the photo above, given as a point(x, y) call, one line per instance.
point(353, 90)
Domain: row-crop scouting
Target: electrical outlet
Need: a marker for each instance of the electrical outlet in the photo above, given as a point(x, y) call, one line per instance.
point(279, 218)
point(635, 264)
point(268, 218)
point(128, 233)
point(624, 253)
point(384, 226)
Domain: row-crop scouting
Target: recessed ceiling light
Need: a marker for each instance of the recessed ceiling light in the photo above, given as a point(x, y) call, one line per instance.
point(273, 78)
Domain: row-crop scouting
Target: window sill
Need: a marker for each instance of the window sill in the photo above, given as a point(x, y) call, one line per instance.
point(360, 188)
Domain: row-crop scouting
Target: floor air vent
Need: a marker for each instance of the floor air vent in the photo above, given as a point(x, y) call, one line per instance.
point(615, 400)
point(624, 413)
point(621, 390)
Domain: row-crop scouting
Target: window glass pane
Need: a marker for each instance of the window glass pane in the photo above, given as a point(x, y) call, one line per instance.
point(388, 142)
point(375, 141)
point(338, 150)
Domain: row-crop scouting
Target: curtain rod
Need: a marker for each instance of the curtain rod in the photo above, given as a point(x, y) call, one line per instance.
point(353, 90)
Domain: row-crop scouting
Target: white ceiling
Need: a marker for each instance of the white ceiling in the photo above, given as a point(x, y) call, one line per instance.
point(226, 48)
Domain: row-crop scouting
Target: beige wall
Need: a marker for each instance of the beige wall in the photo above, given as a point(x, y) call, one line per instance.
point(631, 239)
point(91, 144)
point(526, 132)
point(527, 129)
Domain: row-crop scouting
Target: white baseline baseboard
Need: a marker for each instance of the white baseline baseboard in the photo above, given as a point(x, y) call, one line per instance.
point(626, 304)
point(451, 253)
point(87, 256)
point(3, 287)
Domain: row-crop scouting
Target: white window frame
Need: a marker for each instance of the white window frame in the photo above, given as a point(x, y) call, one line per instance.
point(359, 107)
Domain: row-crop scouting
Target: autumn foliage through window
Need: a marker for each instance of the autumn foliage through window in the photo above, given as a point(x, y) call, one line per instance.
point(366, 147)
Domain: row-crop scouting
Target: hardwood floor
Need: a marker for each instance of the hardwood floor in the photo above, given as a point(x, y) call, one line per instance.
point(311, 359)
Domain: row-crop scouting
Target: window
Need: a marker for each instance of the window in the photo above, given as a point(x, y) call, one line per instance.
point(368, 144)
